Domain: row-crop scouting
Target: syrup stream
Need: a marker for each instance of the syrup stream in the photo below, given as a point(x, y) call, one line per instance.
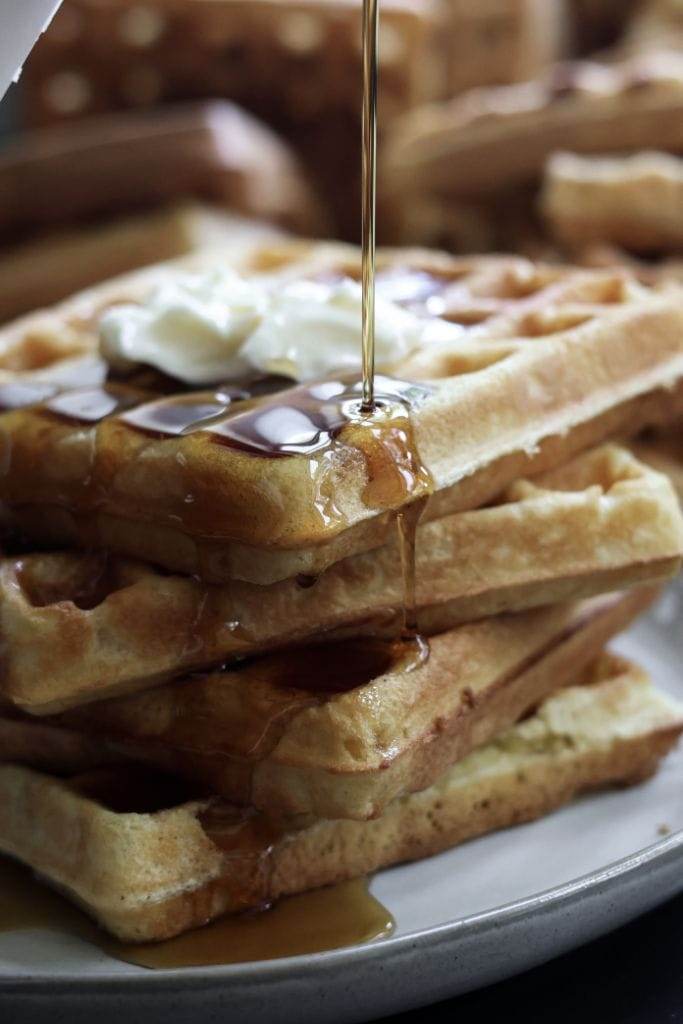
point(369, 185)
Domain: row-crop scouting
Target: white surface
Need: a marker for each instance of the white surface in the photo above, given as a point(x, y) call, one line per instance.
point(21, 22)
point(488, 872)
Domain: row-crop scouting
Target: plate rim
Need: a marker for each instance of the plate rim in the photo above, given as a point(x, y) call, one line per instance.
point(603, 880)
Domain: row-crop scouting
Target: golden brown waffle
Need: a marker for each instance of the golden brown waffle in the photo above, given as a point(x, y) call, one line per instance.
point(124, 163)
point(147, 865)
point(336, 731)
point(77, 628)
point(635, 202)
point(41, 271)
point(494, 42)
point(40, 345)
point(495, 142)
point(292, 60)
point(549, 361)
point(294, 63)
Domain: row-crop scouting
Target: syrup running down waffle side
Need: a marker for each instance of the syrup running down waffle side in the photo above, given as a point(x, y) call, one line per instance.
point(336, 730)
point(82, 627)
point(198, 858)
point(546, 361)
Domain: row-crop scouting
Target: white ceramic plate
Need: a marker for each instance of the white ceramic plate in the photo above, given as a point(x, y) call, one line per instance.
point(466, 918)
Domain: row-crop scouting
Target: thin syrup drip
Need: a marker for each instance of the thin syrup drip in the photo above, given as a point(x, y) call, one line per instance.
point(217, 727)
point(369, 207)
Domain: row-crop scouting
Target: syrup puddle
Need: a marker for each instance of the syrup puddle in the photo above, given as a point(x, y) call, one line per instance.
point(313, 922)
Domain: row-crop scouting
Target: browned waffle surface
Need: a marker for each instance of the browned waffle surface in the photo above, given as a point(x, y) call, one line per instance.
point(458, 172)
point(498, 41)
point(77, 628)
point(124, 163)
point(290, 60)
point(340, 729)
point(635, 202)
point(43, 270)
point(548, 361)
point(294, 63)
point(582, 106)
point(148, 865)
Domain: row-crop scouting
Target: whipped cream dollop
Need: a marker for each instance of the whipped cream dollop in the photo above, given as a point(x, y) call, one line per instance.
point(215, 326)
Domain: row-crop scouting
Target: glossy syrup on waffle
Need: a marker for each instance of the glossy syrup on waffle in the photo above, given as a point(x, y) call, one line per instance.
point(372, 416)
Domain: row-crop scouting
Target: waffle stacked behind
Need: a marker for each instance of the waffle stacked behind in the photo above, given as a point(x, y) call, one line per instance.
point(459, 173)
point(148, 864)
point(635, 202)
point(499, 41)
point(183, 178)
point(340, 730)
point(549, 361)
point(77, 628)
point(43, 270)
point(294, 63)
point(123, 163)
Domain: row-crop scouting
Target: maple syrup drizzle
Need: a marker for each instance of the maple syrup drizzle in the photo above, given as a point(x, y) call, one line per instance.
point(304, 421)
point(346, 914)
point(217, 727)
point(392, 469)
point(369, 200)
point(316, 921)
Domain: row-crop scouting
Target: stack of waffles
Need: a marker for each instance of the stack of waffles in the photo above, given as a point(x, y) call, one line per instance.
point(256, 643)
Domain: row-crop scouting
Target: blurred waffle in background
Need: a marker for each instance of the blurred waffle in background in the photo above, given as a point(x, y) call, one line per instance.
point(83, 201)
point(495, 42)
point(294, 63)
point(465, 173)
point(635, 201)
point(297, 65)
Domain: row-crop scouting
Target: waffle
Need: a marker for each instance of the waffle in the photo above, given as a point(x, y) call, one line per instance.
point(123, 163)
point(335, 731)
point(296, 64)
point(498, 41)
point(263, 53)
point(77, 628)
point(147, 865)
point(635, 202)
point(549, 361)
point(495, 142)
point(41, 271)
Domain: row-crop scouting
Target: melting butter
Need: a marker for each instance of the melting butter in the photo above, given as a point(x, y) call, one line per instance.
point(217, 325)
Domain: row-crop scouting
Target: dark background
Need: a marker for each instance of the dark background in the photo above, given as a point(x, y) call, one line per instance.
point(632, 976)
